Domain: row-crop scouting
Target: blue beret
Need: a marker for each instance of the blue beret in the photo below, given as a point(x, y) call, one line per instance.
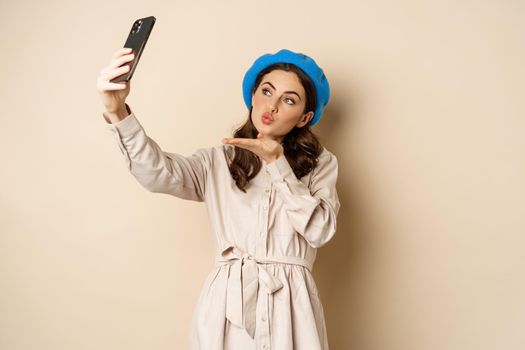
point(305, 63)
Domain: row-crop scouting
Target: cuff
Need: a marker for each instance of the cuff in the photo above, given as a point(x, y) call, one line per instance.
point(127, 126)
point(279, 169)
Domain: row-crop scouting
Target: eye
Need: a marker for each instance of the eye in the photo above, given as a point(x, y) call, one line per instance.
point(264, 91)
point(292, 102)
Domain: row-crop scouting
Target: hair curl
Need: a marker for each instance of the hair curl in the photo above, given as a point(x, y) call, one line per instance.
point(301, 146)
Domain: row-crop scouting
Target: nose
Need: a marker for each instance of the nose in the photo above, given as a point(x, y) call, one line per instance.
point(273, 106)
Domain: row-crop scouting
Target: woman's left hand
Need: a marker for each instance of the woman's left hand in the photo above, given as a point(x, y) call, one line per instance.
point(265, 147)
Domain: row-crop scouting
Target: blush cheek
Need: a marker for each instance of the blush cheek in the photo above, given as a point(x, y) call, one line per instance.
point(256, 99)
point(256, 102)
point(287, 124)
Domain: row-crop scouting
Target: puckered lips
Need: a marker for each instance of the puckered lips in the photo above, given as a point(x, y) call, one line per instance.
point(266, 118)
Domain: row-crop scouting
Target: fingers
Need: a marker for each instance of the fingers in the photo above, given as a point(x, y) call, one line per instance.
point(249, 144)
point(122, 51)
point(240, 141)
point(115, 72)
point(104, 84)
point(229, 140)
point(246, 142)
point(118, 62)
point(114, 86)
point(118, 59)
point(115, 68)
point(121, 60)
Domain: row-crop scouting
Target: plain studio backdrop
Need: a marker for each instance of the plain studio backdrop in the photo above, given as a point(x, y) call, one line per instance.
point(427, 119)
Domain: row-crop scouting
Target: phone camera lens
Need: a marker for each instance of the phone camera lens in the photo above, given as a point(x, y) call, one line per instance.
point(136, 27)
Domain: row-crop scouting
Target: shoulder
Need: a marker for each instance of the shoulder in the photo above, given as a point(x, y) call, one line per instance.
point(326, 157)
point(326, 163)
point(326, 171)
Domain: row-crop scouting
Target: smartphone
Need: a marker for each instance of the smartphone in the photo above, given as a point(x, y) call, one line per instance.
point(137, 39)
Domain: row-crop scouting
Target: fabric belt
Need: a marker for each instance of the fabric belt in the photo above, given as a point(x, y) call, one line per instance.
point(245, 277)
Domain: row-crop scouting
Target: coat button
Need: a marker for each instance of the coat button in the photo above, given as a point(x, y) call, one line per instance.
point(263, 319)
point(267, 190)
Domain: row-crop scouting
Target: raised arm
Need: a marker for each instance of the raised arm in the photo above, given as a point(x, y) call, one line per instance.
point(156, 170)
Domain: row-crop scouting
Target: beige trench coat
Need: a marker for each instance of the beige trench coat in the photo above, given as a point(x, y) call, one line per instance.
point(261, 293)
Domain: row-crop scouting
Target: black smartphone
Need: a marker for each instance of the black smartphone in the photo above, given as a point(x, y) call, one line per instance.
point(137, 39)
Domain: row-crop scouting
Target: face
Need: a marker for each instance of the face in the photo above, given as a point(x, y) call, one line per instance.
point(278, 104)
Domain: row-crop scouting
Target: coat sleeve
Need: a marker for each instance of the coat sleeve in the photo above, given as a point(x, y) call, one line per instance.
point(156, 170)
point(312, 209)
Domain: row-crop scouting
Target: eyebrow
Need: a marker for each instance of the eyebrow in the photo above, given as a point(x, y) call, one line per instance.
point(286, 92)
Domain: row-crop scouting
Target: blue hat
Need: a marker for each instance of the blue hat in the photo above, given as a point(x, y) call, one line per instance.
point(305, 63)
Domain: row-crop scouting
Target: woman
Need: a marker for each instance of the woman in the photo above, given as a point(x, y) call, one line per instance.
point(271, 197)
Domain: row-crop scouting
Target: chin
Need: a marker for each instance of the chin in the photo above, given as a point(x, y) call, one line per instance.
point(266, 129)
point(260, 126)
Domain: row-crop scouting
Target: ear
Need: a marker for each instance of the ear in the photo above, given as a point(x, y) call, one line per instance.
point(305, 119)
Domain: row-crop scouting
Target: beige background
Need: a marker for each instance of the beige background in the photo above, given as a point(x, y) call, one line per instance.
point(427, 118)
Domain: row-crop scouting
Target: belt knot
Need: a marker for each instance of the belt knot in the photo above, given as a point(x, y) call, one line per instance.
point(245, 277)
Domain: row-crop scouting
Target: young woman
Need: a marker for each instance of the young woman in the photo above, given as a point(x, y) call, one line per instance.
point(271, 197)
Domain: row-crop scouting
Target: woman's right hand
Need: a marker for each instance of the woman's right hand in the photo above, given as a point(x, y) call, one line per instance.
point(114, 95)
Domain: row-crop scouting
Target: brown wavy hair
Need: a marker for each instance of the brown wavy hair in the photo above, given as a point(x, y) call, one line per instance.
point(301, 146)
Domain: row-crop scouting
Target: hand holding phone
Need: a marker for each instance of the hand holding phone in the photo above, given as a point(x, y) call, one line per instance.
point(137, 39)
point(114, 80)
